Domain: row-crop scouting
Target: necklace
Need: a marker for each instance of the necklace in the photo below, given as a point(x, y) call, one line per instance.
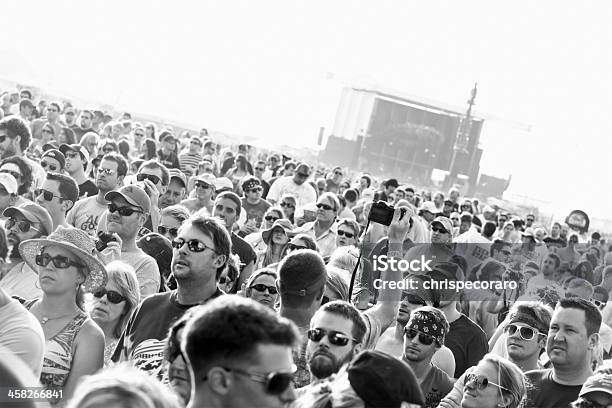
point(45, 319)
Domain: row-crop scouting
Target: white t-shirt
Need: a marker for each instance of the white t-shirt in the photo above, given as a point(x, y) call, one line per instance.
point(21, 333)
point(303, 193)
point(86, 214)
point(146, 269)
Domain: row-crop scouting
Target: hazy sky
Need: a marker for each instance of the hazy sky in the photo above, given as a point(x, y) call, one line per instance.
point(257, 68)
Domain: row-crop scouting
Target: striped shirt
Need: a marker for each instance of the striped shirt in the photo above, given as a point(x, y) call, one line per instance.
point(187, 160)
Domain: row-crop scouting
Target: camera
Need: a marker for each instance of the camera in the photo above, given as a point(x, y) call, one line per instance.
point(103, 239)
point(382, 213)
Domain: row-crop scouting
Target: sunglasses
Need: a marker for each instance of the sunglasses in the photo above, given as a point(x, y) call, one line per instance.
point(44, 165)
point(439, 230)
point(123, 211)
point(294, 247)
point(47, 195)
point(271, 218)
point(102, 170)
point(525, 332)
point(12, 173)
point(481, 381)
point(202, 185)
point(334, 337)
point(288, 205)
point(59, 261)
point(23, 225)
point(324, 206)
point(163, 230)
point(139, 135)
point(425, 339)
point(111, 295)
point(193, 245)
point(345, 233)
point(275, 383)
point(260, 287)
point(254, 190)
point(153, 178)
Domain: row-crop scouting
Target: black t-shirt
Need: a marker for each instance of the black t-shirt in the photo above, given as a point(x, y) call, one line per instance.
point(544, 392)
point(144, 337)
point(87, 189)
point(171, 161)
point(242, 248)
point(468, 343)
point(266, 188)
point(79, 132)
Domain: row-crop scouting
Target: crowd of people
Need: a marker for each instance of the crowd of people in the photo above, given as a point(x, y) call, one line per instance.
point(145, 268)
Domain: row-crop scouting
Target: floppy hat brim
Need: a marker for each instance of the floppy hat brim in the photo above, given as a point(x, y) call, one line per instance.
point(96, 278)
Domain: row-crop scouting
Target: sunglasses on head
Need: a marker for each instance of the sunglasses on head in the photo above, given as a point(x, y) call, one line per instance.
point(345, 233)
point(203, 185)
point(193, 245)
point(439, 230)
point(424, 338)
point(260, 287)
point(286, 204)
point(123, 211)
point(23, 225)
point(324, 206)
point(294, 247)
point(271, 218)
point(47, 195)
point(481, 382)
point(275, 383)
point(163, 230)
point(525, 332)
point(111, 295)
point(44, 164)
point(153, 178)
point(334, 337)
point(59, 261)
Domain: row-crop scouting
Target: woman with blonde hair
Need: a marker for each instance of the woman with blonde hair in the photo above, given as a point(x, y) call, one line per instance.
point(276, 239)
point(113, 304)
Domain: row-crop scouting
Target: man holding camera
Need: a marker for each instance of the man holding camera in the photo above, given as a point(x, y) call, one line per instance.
point(128, 209)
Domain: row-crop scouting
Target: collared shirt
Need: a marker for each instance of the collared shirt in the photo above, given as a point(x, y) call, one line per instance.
point(326, 241)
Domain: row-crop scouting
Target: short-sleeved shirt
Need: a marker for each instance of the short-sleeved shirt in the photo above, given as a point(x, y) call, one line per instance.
point(303, 193)
point(544, 392)
point(171, 161)
point(144, 337)
point(255, 211)
point(435, 387)
point(147, 271)
point(86, 214)
point(241, 248)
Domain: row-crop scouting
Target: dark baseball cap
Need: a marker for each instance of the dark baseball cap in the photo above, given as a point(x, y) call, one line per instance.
point(302, 273)
point(392, 183)
point(382, 380)
point(57, 155)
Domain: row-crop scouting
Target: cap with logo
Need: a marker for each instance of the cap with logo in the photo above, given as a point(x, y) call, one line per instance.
point(178, 175)
point(133, 195)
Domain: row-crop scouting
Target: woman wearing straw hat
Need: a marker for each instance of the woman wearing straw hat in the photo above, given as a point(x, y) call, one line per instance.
point(277, 241)
point(66, 269)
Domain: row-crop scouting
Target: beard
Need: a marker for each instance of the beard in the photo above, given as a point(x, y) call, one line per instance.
point(323, 363)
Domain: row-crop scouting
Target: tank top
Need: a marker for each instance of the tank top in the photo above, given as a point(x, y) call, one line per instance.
point(58, 352)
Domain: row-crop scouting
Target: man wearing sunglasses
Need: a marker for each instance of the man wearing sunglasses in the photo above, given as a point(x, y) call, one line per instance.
point(200, 254)
point(254, 206)
point(27, 221)
point(153, 177)
point(57, 195)
point(127, 211)
point(86, 213)
point(295, 185)
point(423, 336)
point(167, 154)
point(246, 363)
point(334, 338)
point(324, 229)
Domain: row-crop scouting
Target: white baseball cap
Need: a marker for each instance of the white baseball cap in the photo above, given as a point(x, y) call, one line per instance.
point(9, 183)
